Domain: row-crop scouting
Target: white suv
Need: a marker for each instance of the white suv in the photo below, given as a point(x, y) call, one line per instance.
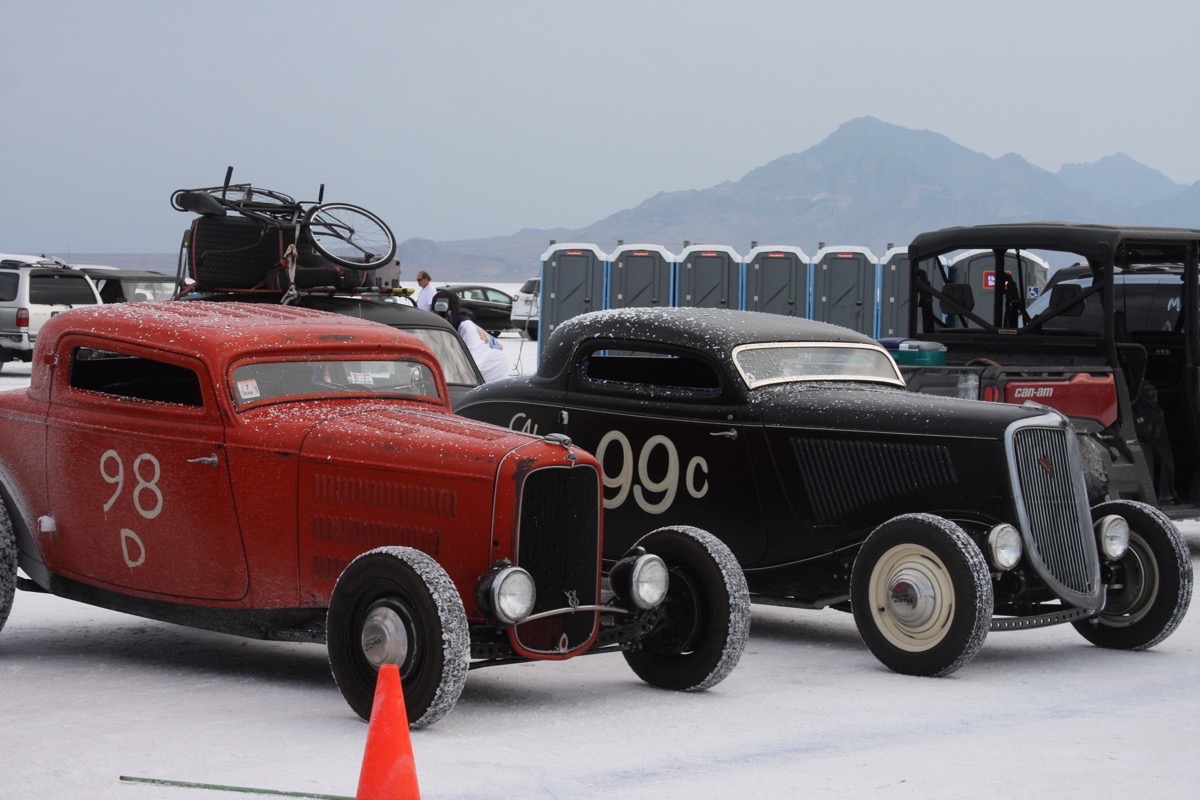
point(32, 290)
point(525, 308)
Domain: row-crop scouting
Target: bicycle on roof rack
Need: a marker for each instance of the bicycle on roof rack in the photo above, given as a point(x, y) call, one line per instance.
point(347, 235)
point(248, 238)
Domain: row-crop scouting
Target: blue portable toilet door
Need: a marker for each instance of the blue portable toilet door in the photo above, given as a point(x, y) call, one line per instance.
point(844, 288)
point(708, 277)
point(640, 277)
point(776, 281)
point(572, 283)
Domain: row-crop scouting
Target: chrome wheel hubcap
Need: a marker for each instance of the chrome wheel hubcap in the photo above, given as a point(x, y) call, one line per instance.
point(911, 597)
point(384, 638)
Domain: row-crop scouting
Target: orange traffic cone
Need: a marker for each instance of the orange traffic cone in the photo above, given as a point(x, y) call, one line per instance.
point(388, 769)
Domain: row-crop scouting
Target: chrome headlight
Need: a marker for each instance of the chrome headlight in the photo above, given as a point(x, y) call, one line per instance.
point(1005, 547)
point(512, 594)
point(649, 581)
point(1112, 533)
point(640, 579)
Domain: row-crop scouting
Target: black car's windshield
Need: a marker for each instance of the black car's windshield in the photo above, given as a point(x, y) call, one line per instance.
point(787, 362)
point(272, 381)
point(448, 347)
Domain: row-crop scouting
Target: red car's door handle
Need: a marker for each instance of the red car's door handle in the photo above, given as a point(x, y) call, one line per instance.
point(210, 460)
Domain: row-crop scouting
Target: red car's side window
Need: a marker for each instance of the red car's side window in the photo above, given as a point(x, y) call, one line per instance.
point(134, 377)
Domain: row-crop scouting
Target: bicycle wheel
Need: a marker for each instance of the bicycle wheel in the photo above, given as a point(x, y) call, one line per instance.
point(350, 236)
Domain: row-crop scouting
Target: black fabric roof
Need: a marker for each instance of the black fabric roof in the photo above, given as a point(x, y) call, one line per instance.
point(1096, 242)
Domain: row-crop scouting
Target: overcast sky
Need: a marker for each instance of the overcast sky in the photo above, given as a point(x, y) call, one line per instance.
point(454, 119)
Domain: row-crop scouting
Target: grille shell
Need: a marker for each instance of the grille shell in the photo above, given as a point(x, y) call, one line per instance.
point(558, 543)
point(1051, 501)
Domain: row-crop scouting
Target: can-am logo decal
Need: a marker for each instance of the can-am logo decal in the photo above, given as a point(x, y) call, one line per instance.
point(1026, 392)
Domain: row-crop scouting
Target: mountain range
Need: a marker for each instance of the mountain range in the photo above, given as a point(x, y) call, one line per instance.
point(870, 183)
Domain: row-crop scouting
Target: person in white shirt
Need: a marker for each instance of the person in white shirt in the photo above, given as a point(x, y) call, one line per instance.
point(426, 292)
point(485, 348)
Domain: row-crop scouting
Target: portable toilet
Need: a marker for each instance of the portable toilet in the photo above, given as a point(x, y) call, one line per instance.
point(843, 287)
point(977, 269)
point(775, 279)
point(709, 276)
point(572, 283)
point(891, 312)
point(640, 276)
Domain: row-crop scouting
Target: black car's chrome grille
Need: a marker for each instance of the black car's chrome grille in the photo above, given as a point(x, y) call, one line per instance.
point(1048, 493)
point(558, 543)
point(842, 476)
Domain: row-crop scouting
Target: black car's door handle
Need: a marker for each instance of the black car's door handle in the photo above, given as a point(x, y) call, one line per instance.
point(729, 434)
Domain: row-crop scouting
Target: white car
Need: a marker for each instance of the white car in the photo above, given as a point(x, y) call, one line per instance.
point(525, 308)
point(33, 289)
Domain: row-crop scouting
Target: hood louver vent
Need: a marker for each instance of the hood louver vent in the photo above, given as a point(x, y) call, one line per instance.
point(842, 476)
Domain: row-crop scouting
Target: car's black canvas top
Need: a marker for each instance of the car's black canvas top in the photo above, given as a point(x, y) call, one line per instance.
point(1090, 241)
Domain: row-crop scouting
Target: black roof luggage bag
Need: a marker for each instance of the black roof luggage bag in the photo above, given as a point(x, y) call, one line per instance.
point(230, 253)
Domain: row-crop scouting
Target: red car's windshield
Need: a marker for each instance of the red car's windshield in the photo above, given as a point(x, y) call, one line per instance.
point(272, 381)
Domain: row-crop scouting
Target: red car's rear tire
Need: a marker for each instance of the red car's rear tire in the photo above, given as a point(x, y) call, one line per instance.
point(8, 564)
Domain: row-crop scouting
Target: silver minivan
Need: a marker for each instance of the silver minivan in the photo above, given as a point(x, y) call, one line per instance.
point(32, 290)
point(525, 308)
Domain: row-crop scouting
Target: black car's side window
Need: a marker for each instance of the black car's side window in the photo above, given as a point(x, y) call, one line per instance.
point(134, 377)
point(651, 371)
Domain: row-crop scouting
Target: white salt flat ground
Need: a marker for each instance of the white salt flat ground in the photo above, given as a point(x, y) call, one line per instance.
point(87, 696)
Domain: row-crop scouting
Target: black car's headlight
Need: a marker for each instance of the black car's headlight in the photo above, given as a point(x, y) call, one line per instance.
point(1112, 534)
point(1004, 547)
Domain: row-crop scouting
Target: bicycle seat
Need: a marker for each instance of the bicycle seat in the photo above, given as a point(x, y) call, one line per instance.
point(201, 203)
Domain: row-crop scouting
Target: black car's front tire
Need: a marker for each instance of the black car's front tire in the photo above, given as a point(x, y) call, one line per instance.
point(921, 594)
point(707, 613)
point(397, 605)
point(1151, 585)
point(8, 564)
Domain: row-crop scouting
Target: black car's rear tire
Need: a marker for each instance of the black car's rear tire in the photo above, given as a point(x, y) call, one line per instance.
point(707, 613)
point(921, 594)
point(1151, 587)
point(8, 564)
point(397, 605)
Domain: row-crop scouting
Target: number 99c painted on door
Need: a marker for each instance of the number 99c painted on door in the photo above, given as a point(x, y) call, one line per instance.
point(662, 471)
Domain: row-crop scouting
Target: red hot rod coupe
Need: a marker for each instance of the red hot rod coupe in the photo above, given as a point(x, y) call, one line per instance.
point(282, 473)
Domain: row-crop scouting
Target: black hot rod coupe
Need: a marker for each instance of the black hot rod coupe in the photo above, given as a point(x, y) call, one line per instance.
point(933, 519)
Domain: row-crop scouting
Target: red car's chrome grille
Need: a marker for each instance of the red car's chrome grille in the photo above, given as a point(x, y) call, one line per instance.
point(559, 544)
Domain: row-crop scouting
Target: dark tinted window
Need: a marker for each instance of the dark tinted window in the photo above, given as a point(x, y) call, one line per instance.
point(653, 372)
point(134, 377)
point(9, 281)
point(531, 285)
point(60, 289)
point(1153, 306)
